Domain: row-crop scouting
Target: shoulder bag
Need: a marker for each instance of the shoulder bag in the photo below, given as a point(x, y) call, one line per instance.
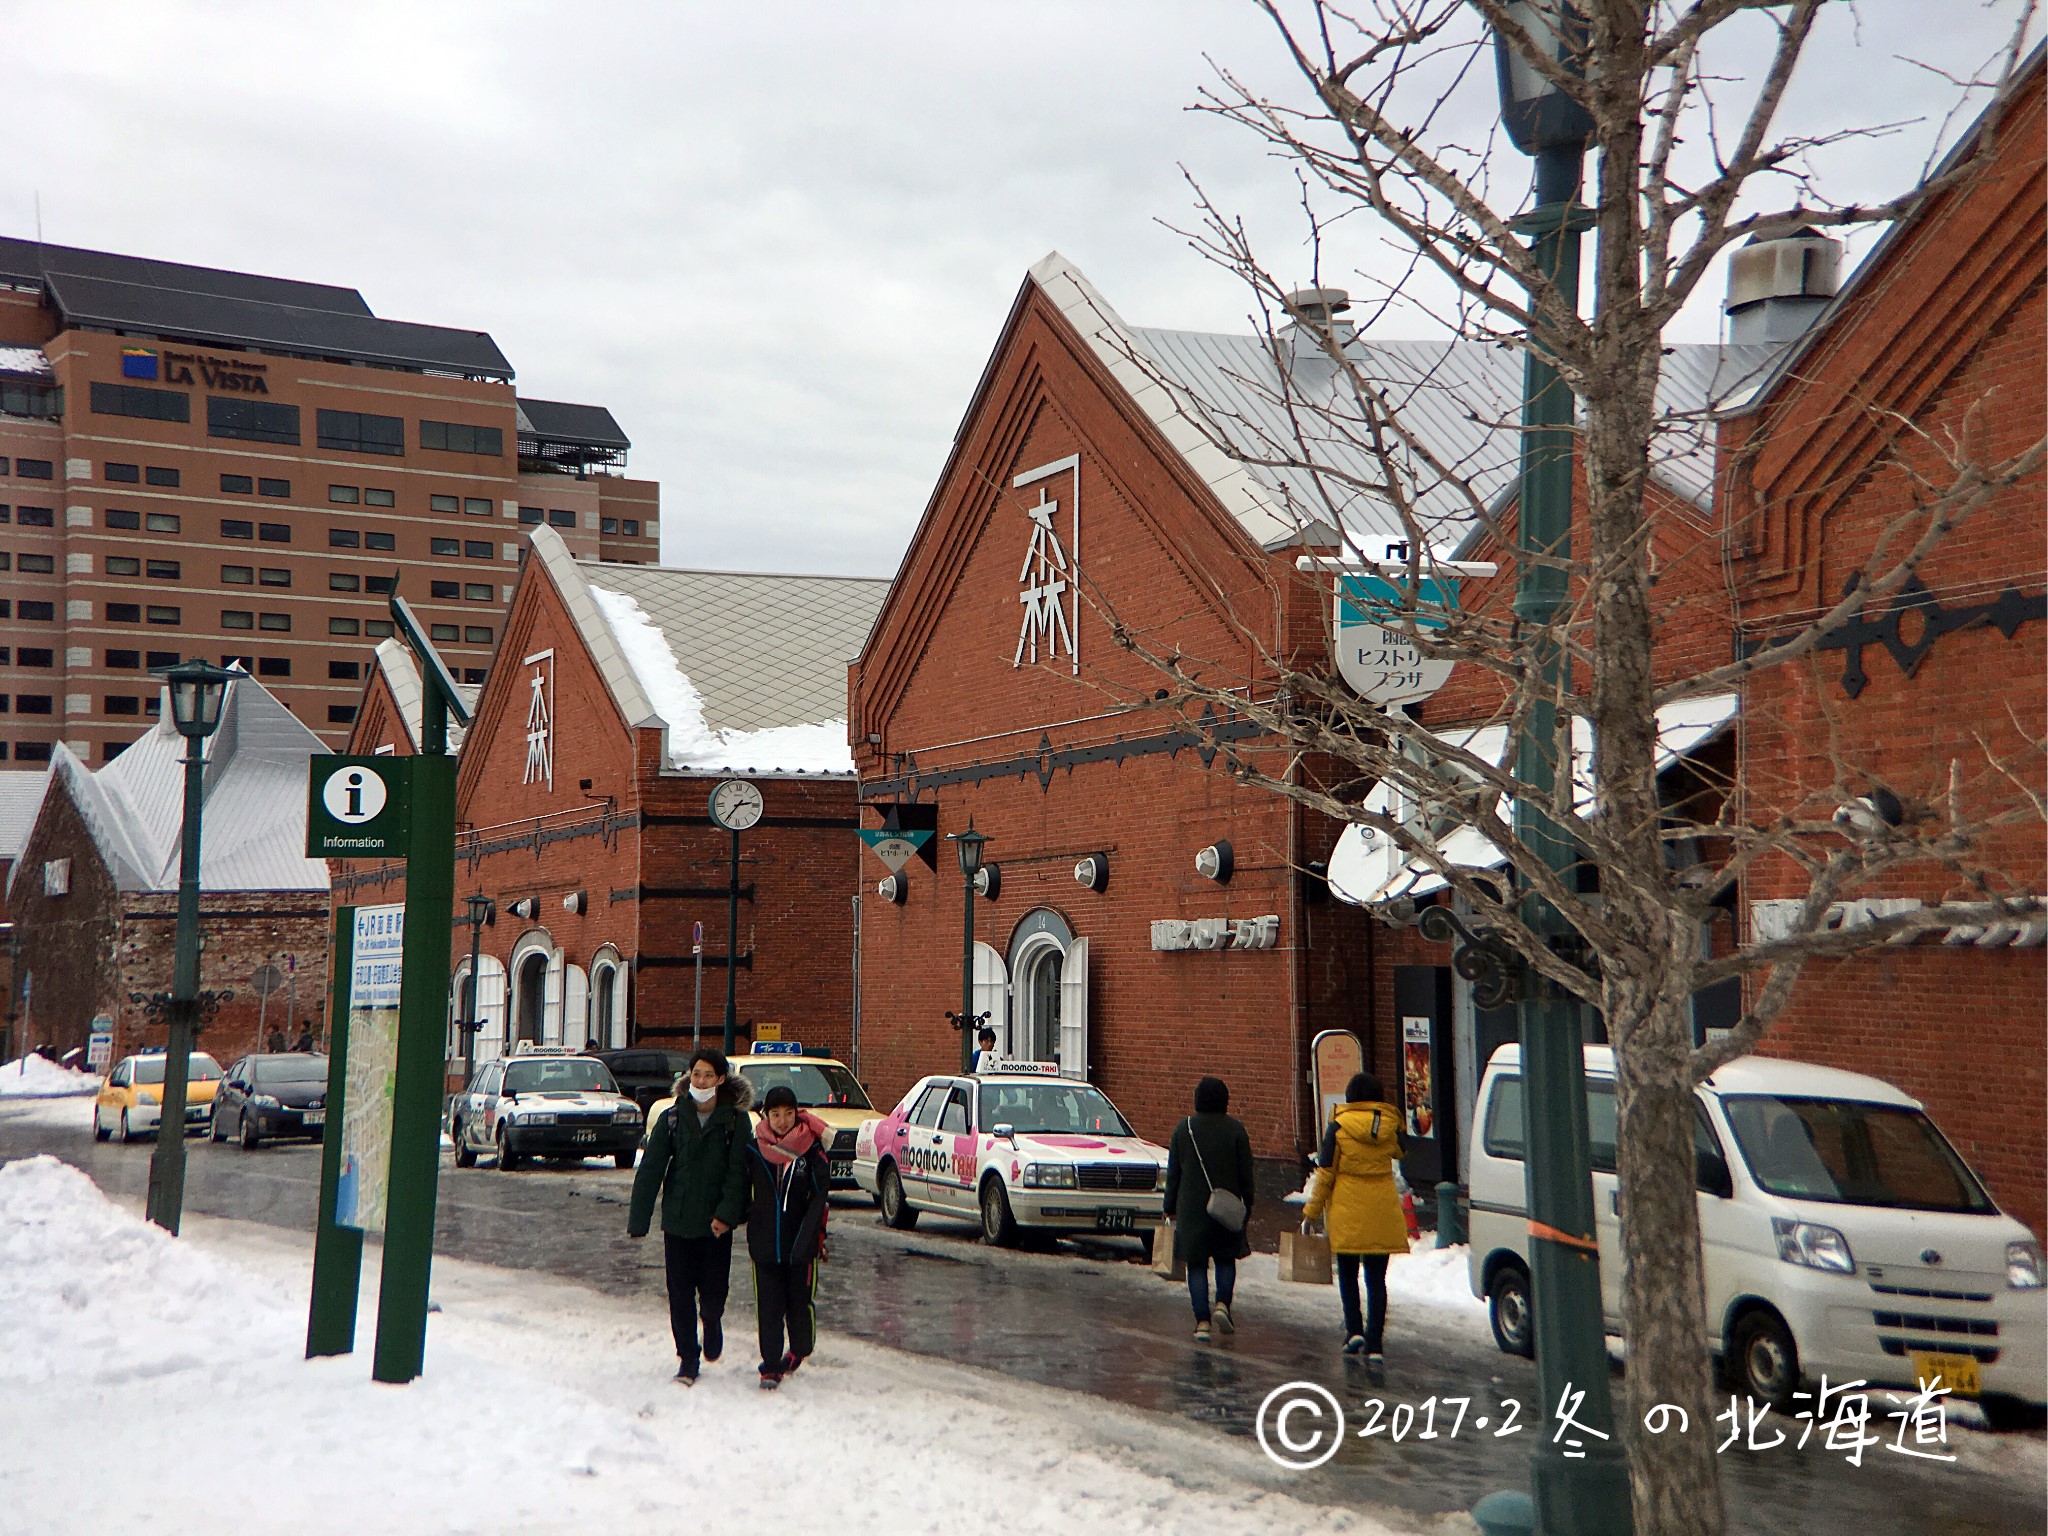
point(1225, 1209)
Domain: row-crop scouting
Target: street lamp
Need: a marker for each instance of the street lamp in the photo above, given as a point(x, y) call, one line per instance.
point(1580, 1493)
point(197, 690)
point(969, 845)
point(482, 910)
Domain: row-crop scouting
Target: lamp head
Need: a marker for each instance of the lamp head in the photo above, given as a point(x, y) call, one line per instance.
point(197, 689)
point(969, 845)
point(1536, 112)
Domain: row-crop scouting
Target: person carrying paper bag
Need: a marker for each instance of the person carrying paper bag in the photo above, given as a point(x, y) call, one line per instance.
point(1353, 1196)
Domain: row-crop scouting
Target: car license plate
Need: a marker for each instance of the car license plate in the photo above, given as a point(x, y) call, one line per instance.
point(1116, 1221)
point(586, 1135)
point(1957, 1372)
point(315, 1116)
point(842, 1167)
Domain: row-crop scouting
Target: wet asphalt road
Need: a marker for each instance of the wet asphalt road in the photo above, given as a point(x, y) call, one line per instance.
point(1086, 1318)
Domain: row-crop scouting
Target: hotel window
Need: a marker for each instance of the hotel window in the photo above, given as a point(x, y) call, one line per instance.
point(375, 540)
point(116, 518)
point(41, 565)
point(561, 519)
point(444, 546)
point(477, 506)
point(163, 570)
point(379, 583)
point(6, 561)
point(31, 751)
point(444, 503)
point(631, 527)
point(34, 612)
point(274, 533)
point(444, 632)
point(477, 592)
point(122, 704)
point(344, 538)
point(344, 581)
point(273, 666)
point(477, 549)
point(531, 515)
point(155, 659)
point(474, 675)
point(341, 714)
point(273, 577)
point(237, 485)
point(476, 634)
point(35, 656)
point(608, 525)
point(109, 750)
point(232, 528)
point(158, 475)
point(377, 629)
point(278, 488)
point(345, 671)
point(237, 618)
point(32, 703)
point(122, 474)
point(162, 522)
point(246, 663)
point(344, 495)
point(274, 621)
point(454, 437)
point(230, 575)
point(148, 404)
point(6, 512)
point(126, 565)
point(36, 517)
point(343, 627)
point(6, 609)
point(444, 589)
point(164, 615)
point(255, 421)
point(373, 497)
point(361, 432)
point(35, 469)
point(129, 660)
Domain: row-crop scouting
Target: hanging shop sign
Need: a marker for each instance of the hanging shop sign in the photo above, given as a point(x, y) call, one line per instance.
point(1381, 662)
point(896, 848)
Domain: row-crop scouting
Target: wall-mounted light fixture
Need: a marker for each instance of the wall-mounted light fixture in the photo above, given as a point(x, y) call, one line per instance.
point(576, 902)
point(527, 907)
point(989, 880)
point(1216, 861)
point(893, 889)
point(1093, 872)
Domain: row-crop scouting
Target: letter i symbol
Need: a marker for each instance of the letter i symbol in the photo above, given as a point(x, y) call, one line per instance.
point(355, 795)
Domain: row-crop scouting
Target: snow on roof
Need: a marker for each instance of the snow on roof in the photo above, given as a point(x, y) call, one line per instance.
point(29, 360)
point(254, 832)
point(21, 798)
point(402, 677)
point(1224, 402)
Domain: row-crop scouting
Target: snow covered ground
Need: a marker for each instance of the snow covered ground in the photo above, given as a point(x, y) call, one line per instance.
point(37, 1077)
point(544, 1406)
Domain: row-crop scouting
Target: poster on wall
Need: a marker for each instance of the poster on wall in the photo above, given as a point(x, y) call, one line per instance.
point(372, 1024)
point(1418, 1085)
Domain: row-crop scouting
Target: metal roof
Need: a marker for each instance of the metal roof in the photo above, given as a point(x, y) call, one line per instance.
point(21, 798)
point(560, 422)
point(254, 834)
point(247, 322)
point(31, 261)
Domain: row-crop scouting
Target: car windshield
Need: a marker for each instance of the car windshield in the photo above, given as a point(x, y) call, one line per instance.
point(816, 1085)
point(292, 1069)
point(1029, 1108)
point(1851, 1153)
point(558, 1074)
point(198, 1069)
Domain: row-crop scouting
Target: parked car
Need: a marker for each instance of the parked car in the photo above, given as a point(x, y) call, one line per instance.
point(132, 1100)
point(272, 1095)
point(823, 1084)
point(644, 1074)
point(542, 1101)
point(1841, 1233)
point(1021, 1148)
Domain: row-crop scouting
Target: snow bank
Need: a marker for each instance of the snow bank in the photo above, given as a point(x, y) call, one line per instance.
point(692, 743)
point(26, 360)
point(38, 1077)
point(544, 1407)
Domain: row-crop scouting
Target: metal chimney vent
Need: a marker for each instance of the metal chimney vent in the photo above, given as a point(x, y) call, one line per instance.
point(1777, 287)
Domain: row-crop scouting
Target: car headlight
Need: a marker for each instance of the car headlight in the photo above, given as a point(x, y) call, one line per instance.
point(626, 1114)
point(144, 1096)
point(1048, 1176)
point(2023, 1266)
point(535, 1117)
point(1810, 1244)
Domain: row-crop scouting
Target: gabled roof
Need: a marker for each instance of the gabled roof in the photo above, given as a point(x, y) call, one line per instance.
point(21, 800)
point(1224, 402)
point(558, 421)
point(402, 677)
point(745, 671)
point(253, 835)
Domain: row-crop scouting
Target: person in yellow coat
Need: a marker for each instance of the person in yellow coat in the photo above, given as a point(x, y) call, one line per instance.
point(1354, 1199)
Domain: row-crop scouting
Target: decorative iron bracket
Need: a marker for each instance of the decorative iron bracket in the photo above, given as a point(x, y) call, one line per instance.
point(1495, 971)
point(959, 1020)
point(157, 1006)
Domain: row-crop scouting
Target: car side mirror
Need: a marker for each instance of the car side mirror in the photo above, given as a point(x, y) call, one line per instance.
point(1005, 1133)
point(1711, 1175)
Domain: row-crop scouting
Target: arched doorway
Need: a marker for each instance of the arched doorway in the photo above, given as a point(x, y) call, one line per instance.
point(1038, 1002)
point(529, 1012)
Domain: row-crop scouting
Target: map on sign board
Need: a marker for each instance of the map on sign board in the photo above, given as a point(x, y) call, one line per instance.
point(359, 1198)
point(1373, 655)
point(896, 849)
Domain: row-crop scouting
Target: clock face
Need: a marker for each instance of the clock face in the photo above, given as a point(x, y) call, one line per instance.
point(736, 805)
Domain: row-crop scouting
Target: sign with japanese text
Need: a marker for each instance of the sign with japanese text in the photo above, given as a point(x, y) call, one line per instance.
point(895, 849)
point(1374, 656)
point(372, 1024)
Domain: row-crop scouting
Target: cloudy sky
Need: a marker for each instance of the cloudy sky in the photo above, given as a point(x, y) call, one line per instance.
point(777, 239)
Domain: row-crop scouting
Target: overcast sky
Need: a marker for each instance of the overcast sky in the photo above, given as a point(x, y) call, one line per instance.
point(776, 239)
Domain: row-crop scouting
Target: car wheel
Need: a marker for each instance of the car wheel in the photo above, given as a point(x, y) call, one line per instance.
point(1507, 1308)
point(507, 1158)
point(2006, 1414)
point(998, 1226)
point(896, 1208)
point(252, 1138)
point(99, 1129)
point(623, 1159)
point(1763, 1361)
point(126, 1135)
point(465, 1154)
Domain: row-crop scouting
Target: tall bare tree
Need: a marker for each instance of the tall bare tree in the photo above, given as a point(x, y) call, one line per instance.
point(1684, 102)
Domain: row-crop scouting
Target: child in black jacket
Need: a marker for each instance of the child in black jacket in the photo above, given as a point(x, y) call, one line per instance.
point(789, 1179)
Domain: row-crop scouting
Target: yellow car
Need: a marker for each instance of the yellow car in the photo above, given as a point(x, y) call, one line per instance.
point(823, 1085)
point(132, 1101)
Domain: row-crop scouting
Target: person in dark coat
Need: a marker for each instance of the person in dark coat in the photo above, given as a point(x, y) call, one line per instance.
point(696, 1164)
point(305, 1041)
point(1209, 1145)
point(789, 1177)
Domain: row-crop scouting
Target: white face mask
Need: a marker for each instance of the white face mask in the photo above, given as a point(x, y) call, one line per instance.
point(703, 1095)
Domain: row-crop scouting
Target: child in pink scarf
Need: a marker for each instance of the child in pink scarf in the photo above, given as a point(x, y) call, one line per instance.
point(789, 1176)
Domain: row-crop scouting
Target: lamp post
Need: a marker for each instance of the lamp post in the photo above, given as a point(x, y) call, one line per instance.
point(970, 845)
point(481, 910)
point(197, 689)
point(1583, 1494)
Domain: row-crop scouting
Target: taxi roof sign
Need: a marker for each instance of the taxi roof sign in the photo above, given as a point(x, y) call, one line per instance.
point(777, 1048)
point(1022, 1069)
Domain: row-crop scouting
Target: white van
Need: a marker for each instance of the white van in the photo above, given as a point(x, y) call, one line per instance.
point(1842, 1235)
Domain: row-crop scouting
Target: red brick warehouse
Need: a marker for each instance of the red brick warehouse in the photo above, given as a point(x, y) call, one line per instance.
point(620, 697)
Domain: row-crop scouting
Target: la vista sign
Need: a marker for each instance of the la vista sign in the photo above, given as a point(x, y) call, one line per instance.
point(229, 375)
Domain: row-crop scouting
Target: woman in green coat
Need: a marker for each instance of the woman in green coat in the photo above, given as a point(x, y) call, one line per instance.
point(696, 1164)
point(1210, 1150)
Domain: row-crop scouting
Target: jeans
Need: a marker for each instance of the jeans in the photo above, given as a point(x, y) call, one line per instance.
point(1198, 1284)
point(1374, 1324)
point(699, 1272)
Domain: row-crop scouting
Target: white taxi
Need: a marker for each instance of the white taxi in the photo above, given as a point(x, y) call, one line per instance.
point(1021, 1148)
